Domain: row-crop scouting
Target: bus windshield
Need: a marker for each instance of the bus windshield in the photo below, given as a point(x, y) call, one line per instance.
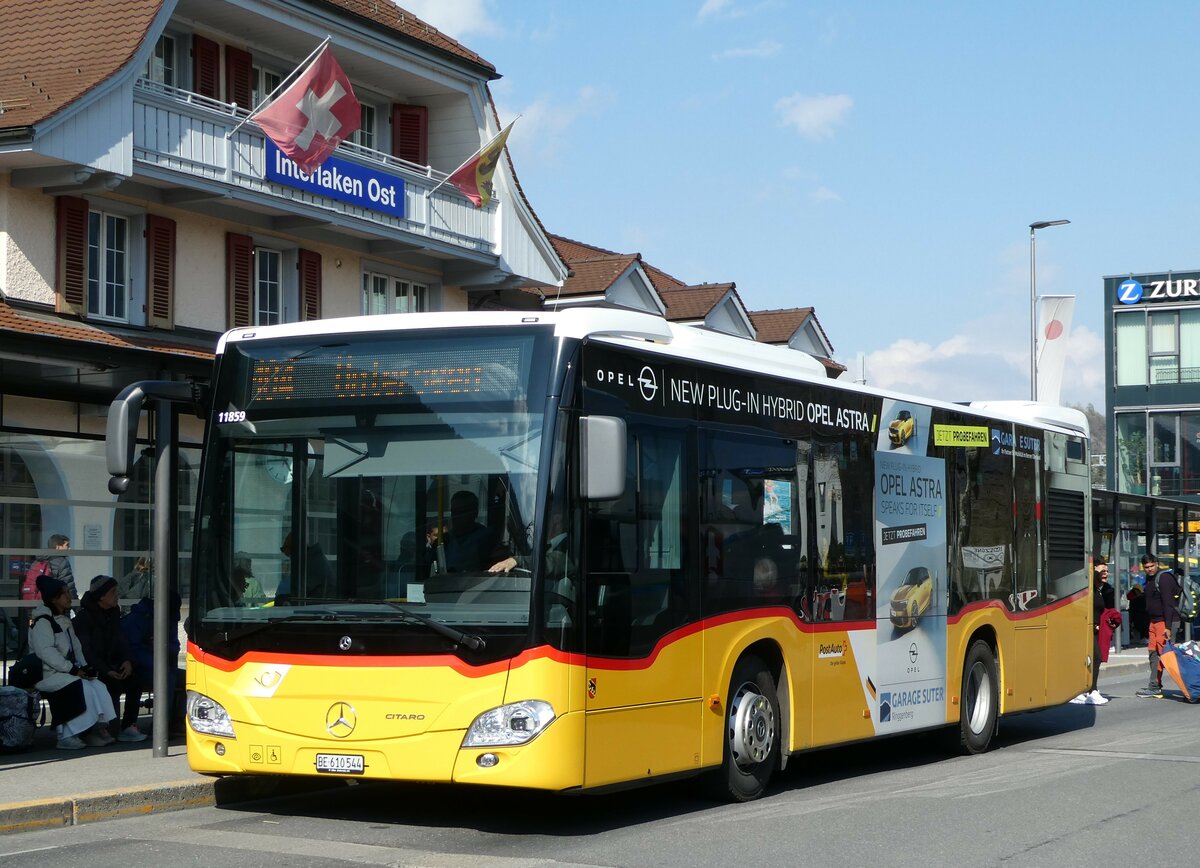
point(374, 480)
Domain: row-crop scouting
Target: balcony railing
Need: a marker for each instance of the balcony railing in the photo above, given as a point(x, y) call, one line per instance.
point(185, 133)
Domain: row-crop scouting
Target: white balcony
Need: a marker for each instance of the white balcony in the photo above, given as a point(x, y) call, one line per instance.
point(182, 135)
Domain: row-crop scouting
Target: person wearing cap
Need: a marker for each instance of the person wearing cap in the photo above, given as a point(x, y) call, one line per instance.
point(79, 705)
point(98, 625)
point(1162, 591)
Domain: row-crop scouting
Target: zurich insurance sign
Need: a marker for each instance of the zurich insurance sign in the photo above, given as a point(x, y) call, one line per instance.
point(340, 179)
point(1159, 288)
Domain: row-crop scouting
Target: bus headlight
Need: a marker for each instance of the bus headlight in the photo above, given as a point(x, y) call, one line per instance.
point(208, 716)
point(511, 724)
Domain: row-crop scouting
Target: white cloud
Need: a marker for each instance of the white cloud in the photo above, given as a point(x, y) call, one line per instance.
point(974, 367)
point(712, 7)
point(545, 123)
point(766, 48)
point(814, 117)
point(824, 194)
point(456, 18)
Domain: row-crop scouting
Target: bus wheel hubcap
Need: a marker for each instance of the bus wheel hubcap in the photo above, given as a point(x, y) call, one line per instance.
point(751, 727)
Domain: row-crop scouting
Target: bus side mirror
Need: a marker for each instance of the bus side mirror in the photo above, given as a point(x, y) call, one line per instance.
point(601, 457)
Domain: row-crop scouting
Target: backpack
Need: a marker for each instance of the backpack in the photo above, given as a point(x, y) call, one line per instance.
point(1189, 592)
point(18, 719)
point(29, 588)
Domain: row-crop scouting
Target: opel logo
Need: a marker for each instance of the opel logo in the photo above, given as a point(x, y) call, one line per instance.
point(340, 719)
point(648, 383)
point(345, 642)
point(912, 652)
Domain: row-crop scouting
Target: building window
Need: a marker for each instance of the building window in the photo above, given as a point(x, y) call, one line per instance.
point(268, 291)
point(365, 134)
point(1131, 348)
point(1131, 453)
point(1158, 348)
point(161, 66)
point(383, 293)
point(264, 81)
point(108, 265)
point(1164, 454)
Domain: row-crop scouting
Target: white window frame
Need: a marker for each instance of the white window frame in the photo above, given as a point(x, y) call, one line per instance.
point(367, 134)
point(269, 310)
point(99, 305)
point(163, 66)
point(263, 81)
point(389, 287)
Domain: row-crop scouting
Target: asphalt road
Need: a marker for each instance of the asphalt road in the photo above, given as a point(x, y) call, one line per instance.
point(1072, 786)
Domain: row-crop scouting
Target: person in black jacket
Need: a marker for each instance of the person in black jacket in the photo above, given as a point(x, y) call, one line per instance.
point(98, 625)
point(1162, 594)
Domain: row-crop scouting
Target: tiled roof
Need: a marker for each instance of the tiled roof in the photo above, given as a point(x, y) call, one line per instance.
point(595, 276)
point(392, 16)
point(13, 321)
point(574, 251)
point(778, 326)
point(55, 51)
point(693, 302)
point(660, 279)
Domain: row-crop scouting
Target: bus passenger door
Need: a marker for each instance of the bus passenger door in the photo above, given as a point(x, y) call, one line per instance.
point(643, 672)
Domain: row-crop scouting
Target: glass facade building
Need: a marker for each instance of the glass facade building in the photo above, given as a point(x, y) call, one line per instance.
point(1152, 355)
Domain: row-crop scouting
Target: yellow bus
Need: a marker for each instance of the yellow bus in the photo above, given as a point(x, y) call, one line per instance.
point(582, 550)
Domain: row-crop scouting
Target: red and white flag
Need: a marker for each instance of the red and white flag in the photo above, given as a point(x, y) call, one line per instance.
point(474, 177)
point(313, 114)
point(1054, 327)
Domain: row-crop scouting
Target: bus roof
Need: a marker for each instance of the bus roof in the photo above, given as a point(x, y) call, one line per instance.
point(653, 333)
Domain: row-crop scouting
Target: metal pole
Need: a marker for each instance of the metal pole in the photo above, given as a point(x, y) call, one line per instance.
point(166, 563)
point(1032, 314)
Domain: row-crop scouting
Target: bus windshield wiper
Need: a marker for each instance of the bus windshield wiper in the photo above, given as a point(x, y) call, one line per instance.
point(271, 622)
point(458, 637)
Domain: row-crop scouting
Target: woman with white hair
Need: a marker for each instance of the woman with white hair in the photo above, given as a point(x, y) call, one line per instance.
point(79, 703)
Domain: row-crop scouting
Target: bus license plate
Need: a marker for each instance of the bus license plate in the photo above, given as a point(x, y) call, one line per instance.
point(340, 763)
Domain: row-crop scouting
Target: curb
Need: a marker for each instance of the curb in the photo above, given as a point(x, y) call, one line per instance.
point(197, 792)
point(106, 805)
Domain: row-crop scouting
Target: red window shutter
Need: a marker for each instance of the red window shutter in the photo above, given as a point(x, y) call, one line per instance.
point(71, 241)
point(160, 271)
point(310, 284)
point(410, 125)
point(239, 279)
point(206, 67)
point(239, 73)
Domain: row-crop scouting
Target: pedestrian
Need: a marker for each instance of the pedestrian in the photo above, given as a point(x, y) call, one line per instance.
point(79, 704)
point(98, 625)
point(138, 628)
point(1104, 614)
point(59, 565)
point(1162, 591)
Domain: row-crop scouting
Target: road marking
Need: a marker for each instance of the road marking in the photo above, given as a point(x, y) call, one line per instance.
point(1119, 754)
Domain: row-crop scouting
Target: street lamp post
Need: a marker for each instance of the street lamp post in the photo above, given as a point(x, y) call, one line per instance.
point(1034, 227)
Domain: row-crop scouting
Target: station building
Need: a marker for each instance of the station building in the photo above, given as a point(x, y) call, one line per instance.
point(135, 229)
point(140, 219)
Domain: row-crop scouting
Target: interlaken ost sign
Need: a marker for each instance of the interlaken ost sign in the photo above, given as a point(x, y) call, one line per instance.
point(340, 179)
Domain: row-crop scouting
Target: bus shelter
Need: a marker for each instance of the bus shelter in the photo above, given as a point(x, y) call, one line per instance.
point(1126, 526)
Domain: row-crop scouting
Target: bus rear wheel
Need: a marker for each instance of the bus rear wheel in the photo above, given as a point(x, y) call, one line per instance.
point(752, 737)
point(980, 699)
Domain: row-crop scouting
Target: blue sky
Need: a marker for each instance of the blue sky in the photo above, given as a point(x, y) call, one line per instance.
point(880, 162)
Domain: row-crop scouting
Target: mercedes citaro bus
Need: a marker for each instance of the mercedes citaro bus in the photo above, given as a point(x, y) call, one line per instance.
point(571, 551)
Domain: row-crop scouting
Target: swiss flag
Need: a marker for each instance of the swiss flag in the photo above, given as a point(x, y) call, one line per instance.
point(316, 112)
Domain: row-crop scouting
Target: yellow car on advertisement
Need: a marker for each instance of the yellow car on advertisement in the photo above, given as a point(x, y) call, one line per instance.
point(901, 428)
point(913, 598)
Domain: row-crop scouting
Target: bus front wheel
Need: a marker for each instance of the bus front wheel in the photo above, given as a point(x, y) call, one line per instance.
point(980, 699)
point(752, 737)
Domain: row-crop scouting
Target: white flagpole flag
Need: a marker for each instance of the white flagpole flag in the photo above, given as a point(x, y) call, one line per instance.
point(1054, 329)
